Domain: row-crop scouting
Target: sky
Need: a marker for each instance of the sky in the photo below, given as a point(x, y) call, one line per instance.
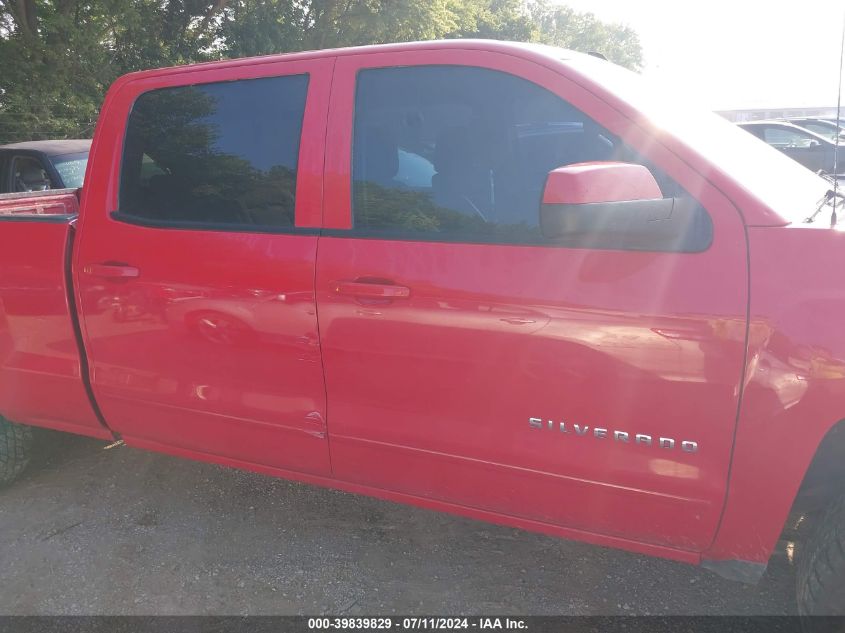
point(736, 54)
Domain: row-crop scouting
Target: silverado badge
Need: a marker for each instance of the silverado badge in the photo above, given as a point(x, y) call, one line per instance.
point(623, 437)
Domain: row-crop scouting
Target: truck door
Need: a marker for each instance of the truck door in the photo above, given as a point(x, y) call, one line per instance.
point(472, 361)
point(195, 267)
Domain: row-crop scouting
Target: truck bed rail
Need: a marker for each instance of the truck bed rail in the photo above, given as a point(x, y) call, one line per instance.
point(51, 205)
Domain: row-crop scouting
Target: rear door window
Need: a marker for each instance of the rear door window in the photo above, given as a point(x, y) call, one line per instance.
point(218, 155)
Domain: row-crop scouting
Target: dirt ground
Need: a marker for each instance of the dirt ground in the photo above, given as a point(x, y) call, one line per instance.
point(88, 531)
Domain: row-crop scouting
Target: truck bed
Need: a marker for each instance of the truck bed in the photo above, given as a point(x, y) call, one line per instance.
point(42, 372)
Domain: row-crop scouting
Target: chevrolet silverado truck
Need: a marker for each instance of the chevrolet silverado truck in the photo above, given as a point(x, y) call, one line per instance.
point(506, 281)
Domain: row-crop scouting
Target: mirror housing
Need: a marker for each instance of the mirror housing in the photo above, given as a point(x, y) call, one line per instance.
point(596, 182)
point(612, 205)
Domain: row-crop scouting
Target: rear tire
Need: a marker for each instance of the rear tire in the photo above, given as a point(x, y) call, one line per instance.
point(821, 568)
point(15, 450)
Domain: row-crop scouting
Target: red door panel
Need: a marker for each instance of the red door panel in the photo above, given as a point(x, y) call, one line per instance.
point(206, 355)
point(206, 339)
point(40, 368)
point(456, 388)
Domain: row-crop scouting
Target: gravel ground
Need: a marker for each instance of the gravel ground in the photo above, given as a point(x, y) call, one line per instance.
point(87, 531)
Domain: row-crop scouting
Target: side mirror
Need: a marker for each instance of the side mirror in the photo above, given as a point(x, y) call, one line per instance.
point(611, 205)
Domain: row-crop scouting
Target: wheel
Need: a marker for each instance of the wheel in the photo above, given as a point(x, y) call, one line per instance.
point(15, 450)
point(821, 568)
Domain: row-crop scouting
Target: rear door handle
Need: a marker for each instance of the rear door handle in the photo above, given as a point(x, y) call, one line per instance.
point(111, 271)
point(371, 290)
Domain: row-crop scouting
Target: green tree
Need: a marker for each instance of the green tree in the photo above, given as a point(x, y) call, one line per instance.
point(58, 57)
point(562, 26)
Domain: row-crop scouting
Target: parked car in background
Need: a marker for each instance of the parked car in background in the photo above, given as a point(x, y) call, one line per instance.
point(823, 127)
point(43, 165)
point(808, 148)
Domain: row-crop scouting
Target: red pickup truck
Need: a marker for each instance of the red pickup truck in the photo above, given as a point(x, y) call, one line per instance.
point(506, 281)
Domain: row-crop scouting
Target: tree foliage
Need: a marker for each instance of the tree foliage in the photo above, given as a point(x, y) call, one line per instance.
point(565, 27)
point(58, 57)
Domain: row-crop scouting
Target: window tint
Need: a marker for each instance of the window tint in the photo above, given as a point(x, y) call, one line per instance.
point(462, 153)
point(222, 153)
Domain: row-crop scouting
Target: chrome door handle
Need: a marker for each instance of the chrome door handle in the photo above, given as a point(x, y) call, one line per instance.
point(111, 271)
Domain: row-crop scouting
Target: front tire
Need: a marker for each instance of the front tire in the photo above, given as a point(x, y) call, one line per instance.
point(15, 450)
point(821, 569)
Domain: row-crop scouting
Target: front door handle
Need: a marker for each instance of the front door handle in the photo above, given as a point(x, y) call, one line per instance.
point(111, 271)
point(371, 290)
